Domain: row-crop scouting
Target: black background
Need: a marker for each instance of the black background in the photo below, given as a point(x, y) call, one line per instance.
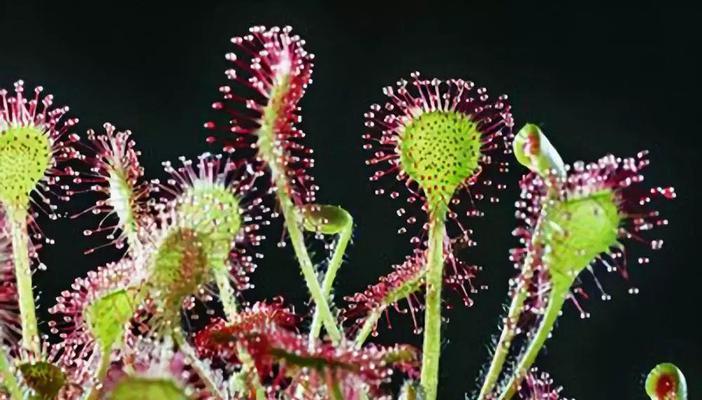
point(598, 78)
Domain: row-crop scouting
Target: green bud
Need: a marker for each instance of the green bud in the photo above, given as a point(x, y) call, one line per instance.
point(666, 382)
point(534, 151)
point(326, 219)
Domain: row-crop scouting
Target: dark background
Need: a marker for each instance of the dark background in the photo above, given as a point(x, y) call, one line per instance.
point(599, 78)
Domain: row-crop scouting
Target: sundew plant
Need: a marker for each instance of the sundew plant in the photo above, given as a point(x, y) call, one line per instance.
point(440, 147)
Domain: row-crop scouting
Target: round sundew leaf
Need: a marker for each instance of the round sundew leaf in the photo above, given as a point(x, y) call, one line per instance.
point(666, 382)
point(45, 379)
point(178, 268)
point(440, 150)
point(213, 211)
point(533, 150)
point(25, 156)
point(212, 208)
point(576, 231)
point(138, 388)
point(326, 219)
point(107, 315)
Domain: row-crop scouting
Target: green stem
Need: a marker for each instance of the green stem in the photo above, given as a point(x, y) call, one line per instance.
point(334, 386)
point(298, 242)
point(226, 296)
point(105, 362)
point(249, 369)
point(226, 293)
point(368, 326)
point(555, 303)
point(196, 364)
point(134, 245)
point(23, 274)
point(404, 291)
point(9, 381)
point(504, 343)
point(363, 395)
point(270, 149)
point(333, 267)
point(508, 330)
point(431, 348)
point(515, 308)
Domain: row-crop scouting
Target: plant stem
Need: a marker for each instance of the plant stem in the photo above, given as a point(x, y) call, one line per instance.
point(333, 386)
point(196, 364)
point(226, 296)
point(508, 332)
point(133, 243)
point(105, 362)
point(298, 242)
point(431, 347)
point(23, 273)
point(515, 308)
point(368, 326)
point(249, 369)
point(334, 264)
point(363, 395)
point(226, 293)
point(555, 303)
point(9, 381)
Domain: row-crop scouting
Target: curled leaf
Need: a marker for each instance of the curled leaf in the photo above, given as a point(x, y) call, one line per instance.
point(533, 150)
point(326, 219)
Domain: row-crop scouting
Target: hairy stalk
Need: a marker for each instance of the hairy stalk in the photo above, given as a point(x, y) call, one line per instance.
point(505, 341)
point(226, 293)
point(133, 242)
point(269, 148)
point(197, 365)
point(226, 296)
point(515, 310)
point(334, 264)
point(23, 273)
point(334, 387)
point(105, 362)
point(9, 381)
point(555, 303)
point(508, 331)
point(431, 347)
point(249, 370)
point(298, 242)
point(368, 326)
